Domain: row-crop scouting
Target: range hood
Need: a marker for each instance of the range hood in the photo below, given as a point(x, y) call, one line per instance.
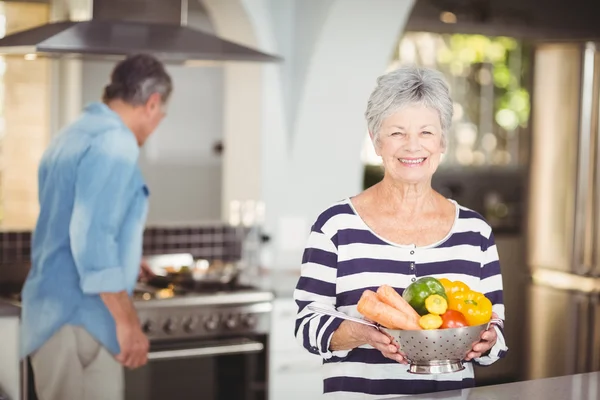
point(121, 27)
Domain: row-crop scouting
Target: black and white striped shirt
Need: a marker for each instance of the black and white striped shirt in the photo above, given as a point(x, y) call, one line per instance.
point(344, 257)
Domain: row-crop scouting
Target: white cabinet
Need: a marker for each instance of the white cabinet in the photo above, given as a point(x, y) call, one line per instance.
point(294, 373)
point(10, 366)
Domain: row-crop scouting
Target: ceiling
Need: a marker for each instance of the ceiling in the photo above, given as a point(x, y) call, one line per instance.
point(547, 20)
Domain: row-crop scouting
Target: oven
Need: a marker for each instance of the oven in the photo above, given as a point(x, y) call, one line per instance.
point(220, 354)
point(220, 369)
point(209, 347)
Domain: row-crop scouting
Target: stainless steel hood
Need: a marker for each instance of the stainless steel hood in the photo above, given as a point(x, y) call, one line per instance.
point(122, 27)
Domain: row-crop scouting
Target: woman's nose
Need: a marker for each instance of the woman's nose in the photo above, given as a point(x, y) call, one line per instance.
point(412, 143)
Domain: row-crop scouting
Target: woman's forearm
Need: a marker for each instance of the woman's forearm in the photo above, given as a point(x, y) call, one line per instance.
point(347, 336)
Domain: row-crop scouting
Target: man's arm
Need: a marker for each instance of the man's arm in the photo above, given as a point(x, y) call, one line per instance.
point(134, 344)
point(103, 176)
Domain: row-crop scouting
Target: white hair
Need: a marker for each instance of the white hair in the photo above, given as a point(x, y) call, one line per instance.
point(408, 86)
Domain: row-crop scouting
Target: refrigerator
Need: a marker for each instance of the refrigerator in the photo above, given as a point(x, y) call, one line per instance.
point(562, 329)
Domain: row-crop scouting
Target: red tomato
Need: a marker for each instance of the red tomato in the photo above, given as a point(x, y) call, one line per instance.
point(453, 319)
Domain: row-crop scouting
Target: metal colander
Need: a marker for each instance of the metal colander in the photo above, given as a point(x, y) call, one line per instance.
point(436, 351)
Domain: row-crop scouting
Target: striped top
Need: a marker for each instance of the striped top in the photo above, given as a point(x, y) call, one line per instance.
point(344, 257)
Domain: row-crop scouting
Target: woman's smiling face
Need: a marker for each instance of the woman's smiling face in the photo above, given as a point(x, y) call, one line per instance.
point(410, 144)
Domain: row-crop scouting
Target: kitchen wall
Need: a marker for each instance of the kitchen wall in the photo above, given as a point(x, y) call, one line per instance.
point(181, 168)
point(178, 162)
point(216, 241)
point(209, 241)
point(24, 120)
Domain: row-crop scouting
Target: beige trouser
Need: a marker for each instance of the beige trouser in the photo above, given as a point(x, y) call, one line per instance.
point(72, 365)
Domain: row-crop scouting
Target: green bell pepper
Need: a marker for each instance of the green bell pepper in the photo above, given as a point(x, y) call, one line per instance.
point(417, 292)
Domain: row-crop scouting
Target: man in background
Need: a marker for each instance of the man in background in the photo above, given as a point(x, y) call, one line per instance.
point(79, 323)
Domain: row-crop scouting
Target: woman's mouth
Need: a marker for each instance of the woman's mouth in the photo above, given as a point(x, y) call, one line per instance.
point(412, 162)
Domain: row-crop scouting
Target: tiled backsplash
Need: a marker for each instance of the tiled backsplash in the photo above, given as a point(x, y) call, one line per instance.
point(210, 242)
point(15, 247)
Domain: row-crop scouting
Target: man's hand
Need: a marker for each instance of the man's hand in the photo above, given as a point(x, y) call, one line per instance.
point(146, 272)
point(134, 345)
point(132, 341)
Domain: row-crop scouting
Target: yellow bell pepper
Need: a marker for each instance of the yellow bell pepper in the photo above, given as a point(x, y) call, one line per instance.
point(436, 304)
point(453, 286)
point(430, 321)
point(476, 308)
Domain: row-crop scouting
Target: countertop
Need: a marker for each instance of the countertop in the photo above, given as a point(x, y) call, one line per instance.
point(570, 387)
point(281, 282)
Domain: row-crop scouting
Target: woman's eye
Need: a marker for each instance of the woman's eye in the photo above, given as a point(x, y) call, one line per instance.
point(427, 133)
point(396, 133)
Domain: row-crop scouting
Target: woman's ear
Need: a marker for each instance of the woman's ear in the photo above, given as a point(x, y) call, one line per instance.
point(375, 142)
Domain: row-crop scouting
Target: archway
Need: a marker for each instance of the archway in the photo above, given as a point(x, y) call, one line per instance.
point(302, 121)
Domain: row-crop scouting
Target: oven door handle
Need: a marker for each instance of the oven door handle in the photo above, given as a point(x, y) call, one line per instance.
point(230, 348)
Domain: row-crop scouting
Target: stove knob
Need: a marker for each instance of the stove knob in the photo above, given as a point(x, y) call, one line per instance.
point(250, 321)
point(148, 327)
point(169, 326)
point(190, 324)
point(231, 322)
point(211, 323)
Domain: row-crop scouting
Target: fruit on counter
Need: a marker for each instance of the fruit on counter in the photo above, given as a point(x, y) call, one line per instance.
point(430, 321)
point(371, 307)
point(436, 304)
point(417, 292)
point(453, 319)
point(476, 308)
point(453, 286)
point(391, 297)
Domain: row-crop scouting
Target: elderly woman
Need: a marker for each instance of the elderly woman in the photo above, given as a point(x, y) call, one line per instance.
point(394, 233)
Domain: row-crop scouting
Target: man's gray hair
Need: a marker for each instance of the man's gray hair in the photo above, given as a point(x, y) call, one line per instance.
point(136, 78)
point(150, 86)
point(408, 86)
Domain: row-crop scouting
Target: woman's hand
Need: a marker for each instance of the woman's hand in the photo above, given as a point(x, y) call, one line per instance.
point(385, 344)
point(350, 335)
point(488, 340)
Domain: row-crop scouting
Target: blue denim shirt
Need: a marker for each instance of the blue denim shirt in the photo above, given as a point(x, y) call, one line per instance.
point(88, 237)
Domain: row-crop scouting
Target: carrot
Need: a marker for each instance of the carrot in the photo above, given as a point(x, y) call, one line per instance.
point(389, 296)
point(374, 309)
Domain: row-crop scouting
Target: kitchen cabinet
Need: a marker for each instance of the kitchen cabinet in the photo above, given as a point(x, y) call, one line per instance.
point(10, 362)
point(511, 250)
point(294, 373)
